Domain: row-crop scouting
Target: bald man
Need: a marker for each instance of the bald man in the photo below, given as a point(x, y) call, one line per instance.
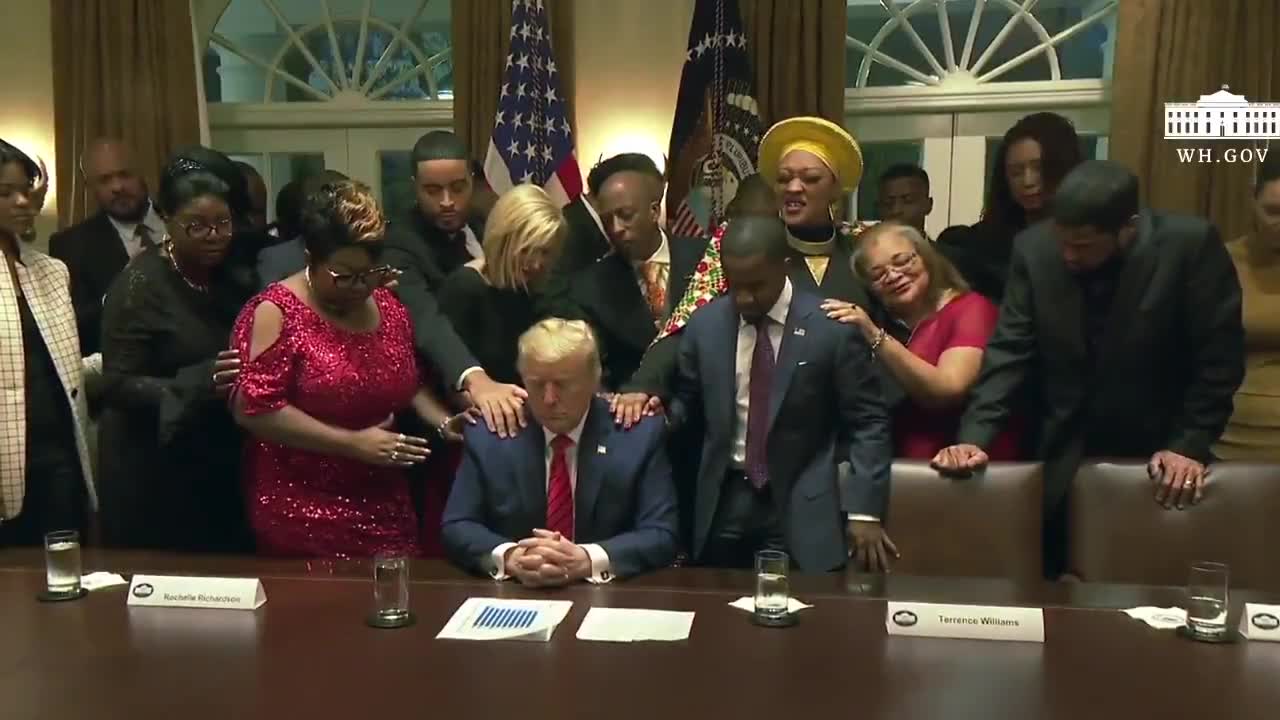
point(98, 248)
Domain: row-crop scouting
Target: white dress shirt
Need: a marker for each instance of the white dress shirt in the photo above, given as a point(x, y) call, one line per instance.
point(472, 243)
point(742, 376)
point(128, 232)
point(599, 558)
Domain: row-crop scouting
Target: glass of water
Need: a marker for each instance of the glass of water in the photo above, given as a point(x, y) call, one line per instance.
point(62, 562)
point(1207, 600)
point(772, 589)
point(391, 591)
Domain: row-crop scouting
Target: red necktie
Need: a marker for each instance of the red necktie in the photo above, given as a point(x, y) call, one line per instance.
point(560, 490)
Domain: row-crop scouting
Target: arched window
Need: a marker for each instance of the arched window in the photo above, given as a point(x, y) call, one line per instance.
point(292, 86)
point(938, 82)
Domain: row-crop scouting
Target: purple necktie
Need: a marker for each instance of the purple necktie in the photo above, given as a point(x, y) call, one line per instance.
point(758, 411)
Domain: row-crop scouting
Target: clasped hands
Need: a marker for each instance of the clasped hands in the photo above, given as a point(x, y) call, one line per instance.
point(547, 560)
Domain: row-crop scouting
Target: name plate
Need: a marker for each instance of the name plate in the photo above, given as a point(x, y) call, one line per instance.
point(196, 592)
point(1260, 622)
point(969, 622)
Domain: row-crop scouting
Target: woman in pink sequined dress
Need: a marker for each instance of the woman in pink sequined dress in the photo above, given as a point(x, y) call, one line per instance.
point(327, 360)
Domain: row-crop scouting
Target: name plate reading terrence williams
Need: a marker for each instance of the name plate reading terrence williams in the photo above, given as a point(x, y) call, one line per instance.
point(970, 622)
point(196, 592)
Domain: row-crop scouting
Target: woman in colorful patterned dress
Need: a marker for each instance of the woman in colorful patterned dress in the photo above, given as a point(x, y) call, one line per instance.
point(327, 361)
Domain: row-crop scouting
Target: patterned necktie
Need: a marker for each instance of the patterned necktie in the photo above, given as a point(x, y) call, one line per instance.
point(762, 362)
point(143, 235)
point(560, 490)
point(655, 289)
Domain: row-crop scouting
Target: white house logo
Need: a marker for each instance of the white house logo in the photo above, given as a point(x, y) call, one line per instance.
point(1265, 621)
point(143, 590)
point(1222, 116)
point(905, 618)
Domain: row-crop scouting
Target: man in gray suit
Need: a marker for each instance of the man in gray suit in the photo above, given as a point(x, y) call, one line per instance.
point(796, 394)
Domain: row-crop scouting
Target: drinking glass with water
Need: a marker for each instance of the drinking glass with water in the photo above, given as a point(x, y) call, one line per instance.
point(62, 562)
point(391, 591)
point(1207, 600)
point(773, 591)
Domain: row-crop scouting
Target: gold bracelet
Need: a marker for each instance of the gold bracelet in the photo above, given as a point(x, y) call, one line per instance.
point(878, 341)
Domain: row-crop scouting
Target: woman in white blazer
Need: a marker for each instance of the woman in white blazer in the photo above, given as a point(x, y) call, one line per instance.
point(46, 482)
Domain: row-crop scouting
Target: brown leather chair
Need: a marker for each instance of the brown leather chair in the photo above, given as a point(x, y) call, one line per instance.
point(1119, 534)
point(987, 525)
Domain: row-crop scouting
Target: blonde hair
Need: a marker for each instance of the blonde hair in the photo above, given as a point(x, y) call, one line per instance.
point(555, 339)
point(943, 276)
point(524, 220)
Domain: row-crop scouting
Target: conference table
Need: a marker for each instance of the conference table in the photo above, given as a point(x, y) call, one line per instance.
point(307, 652)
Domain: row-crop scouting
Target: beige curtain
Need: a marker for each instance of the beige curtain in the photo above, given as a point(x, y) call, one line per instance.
point(481, 39)
point(1176, 51)
point(124, 68)
point(798, 57)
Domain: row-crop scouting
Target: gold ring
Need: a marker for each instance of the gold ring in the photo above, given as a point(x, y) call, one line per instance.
point(395, 456)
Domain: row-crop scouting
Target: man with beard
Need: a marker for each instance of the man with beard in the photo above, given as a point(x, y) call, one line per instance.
point(431, 241)
point(97, 249)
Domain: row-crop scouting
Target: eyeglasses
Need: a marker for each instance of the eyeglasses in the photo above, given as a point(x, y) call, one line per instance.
point(199, 229)
point(899, 263)
point(373, 277)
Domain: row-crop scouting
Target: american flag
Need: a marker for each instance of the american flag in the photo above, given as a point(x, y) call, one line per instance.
point(532, 141)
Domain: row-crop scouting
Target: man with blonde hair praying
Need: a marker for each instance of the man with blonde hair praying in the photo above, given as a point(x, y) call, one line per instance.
point(571, 496)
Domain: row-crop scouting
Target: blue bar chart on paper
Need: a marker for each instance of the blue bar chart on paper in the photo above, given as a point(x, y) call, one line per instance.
point(504, 619)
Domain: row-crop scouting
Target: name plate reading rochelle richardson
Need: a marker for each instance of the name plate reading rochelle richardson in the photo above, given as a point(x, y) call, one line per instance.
point(968, 622)
point(1260, 622)
point(196, 592)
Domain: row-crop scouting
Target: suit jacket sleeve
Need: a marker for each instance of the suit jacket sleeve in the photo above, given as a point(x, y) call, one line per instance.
point(466, 538)
point(866, 427)
point(87, 304)
point(651, 543)
point(1216, 335)
point(657, 368)
point(1005, 363)
point(684, 404)
point(433, 334)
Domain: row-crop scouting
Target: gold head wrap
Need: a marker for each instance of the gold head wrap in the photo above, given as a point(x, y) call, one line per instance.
point(824, 139)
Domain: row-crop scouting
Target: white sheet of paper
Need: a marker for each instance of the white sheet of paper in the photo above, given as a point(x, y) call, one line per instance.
point(99, 580)
point(630, 625)
point(1158, 617)
point(485, 618)
point(749, 604)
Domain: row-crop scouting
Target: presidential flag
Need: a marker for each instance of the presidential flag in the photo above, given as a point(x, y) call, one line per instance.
point(532, 141)
point(716, 134)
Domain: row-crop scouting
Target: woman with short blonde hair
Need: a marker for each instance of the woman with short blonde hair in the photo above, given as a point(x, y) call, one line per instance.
point(949, 326)
point(489, 301)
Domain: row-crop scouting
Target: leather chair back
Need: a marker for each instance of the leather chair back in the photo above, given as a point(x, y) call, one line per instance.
point(987, 525)
point(1119, 534)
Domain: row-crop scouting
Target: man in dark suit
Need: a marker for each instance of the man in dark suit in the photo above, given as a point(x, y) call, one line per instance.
point(1127, 327)
point(586, 242)
point(779, 386)
point(628, 294)
point(97, 249)
point(570, 497)
point(432, 241)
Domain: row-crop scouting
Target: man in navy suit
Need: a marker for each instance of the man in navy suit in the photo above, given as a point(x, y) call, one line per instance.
point(571, 496)
point(784, 394)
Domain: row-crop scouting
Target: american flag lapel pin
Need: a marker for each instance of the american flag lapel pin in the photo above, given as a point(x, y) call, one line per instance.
point(602, 450)
point(798, 332)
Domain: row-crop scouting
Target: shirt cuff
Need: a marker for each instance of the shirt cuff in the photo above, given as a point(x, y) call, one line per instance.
point(600, 572)
point(497, 559)
point(863, 518)
point(93, 364)
point(462, 379)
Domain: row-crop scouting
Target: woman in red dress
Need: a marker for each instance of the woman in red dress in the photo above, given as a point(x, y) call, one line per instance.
point(949, 325)
point(327, 360)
